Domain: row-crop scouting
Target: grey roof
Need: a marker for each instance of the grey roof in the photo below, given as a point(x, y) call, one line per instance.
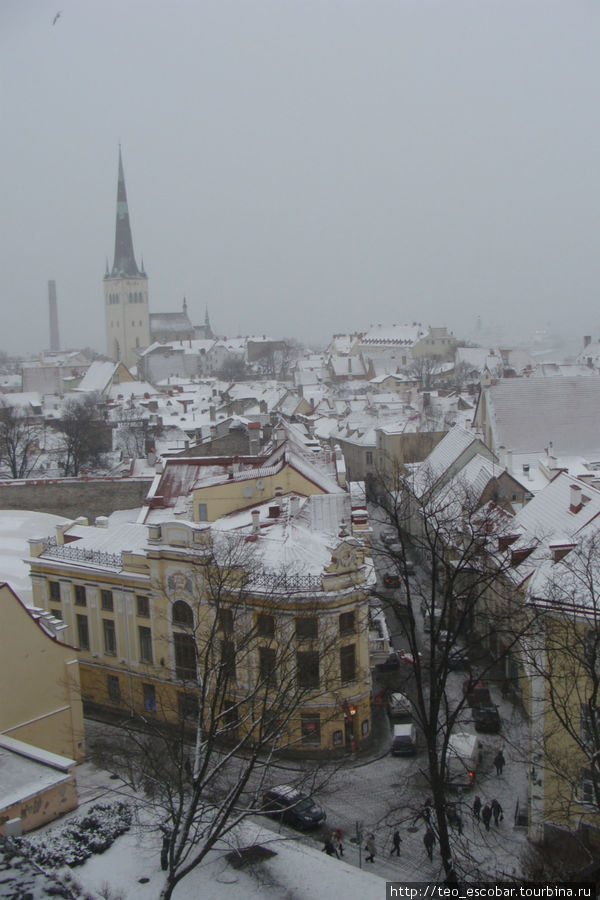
point(173, 321)
point(526, 414)
point(124, 264)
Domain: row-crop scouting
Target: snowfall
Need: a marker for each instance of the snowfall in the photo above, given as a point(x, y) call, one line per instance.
point(380, 791)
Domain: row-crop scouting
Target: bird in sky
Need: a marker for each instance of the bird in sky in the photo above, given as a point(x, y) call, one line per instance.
point(56, 18)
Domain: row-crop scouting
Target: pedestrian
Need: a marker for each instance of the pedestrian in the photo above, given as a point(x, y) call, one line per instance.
point(486, 815)
point(429, 841)
point(477, 808)
point(164, 850)
point(396, 841)
point(329, 848)
point(336, 840)
point(370, 848)
point(497, 811)
point(499, 762)
point(427, 811)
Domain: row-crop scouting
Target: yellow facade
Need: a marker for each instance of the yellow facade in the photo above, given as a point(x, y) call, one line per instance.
point(213, 501)
point(42, 704)
point(130, 640)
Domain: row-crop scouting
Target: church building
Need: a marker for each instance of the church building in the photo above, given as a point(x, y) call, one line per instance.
point(125, 291)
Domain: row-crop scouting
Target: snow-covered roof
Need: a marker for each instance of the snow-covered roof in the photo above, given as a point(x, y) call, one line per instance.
point(98, 377)
point(525, 414)
point(442, 457)
point(405, 335)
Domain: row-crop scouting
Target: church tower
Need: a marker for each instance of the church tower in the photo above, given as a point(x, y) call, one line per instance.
point(125, 291)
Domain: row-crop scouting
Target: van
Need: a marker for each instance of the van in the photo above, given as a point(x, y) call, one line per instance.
point(398, 705)
point(462, 760)
point(404, 740)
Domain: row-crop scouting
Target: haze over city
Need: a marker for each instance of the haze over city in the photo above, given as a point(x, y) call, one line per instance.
point(303, 168)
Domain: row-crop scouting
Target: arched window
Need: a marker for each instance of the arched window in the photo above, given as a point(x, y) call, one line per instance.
point(182, 614)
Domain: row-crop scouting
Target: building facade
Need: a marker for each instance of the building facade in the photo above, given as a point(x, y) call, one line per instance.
point(152, 628)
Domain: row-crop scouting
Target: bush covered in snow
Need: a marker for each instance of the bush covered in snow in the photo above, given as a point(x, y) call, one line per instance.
point(78, 839)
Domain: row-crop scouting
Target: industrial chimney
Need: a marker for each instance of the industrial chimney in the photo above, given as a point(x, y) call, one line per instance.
point(53, 309)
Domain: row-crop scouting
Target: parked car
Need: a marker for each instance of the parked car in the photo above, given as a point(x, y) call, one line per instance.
point(404, 740)
point(391, 580)
point(292, 807)
point(487, 718)
point(388, 537)
point(458, 658)
point(398, 705)
point(391, 664)
point(477, 693)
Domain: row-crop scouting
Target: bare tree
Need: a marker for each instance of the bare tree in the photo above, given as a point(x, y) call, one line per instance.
point(423, 368)
point(83, 433)
point(19, 441)
point(232, 369)
point(461, 612)
point(199, 761)
point(131, 431)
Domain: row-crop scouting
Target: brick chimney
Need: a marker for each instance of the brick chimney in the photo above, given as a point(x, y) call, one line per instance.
point(576, 503)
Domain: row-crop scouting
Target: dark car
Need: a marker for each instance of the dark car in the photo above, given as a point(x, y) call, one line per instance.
point(391, 580)
point(391, 664)
point(293, 807)
point(477, 693)
point(486, 718)
point(458, 658)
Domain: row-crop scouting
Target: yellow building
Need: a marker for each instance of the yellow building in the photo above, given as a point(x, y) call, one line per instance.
point(203, 489)
point(41, 699)
point(270, 589)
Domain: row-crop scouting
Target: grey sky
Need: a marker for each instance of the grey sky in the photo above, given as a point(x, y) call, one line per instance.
point(303, 167)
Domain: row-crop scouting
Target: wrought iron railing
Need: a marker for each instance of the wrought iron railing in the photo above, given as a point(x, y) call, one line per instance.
point(81, 554)
point(282, 582)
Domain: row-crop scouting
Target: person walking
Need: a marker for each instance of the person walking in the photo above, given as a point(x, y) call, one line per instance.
point(427, 810)
point(429, 841)
point(329, 848)
point(166, 846)
point(477, 808)
point(497, 811)
point(396, 841)
point(499, 762)
point(370, 848)
point(486, 815)
point(336, 840)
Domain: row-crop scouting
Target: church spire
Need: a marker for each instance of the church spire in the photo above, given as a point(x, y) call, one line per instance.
point(124, 264)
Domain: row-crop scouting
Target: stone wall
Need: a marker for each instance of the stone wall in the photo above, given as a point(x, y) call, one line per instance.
point(72, 497)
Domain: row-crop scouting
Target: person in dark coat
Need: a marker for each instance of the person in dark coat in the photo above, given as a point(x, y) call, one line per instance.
point(486, 815)
point(329, 848)
point(164, 850)
point(396, 841)
point(370, 848)
point(499, 762)
point(477, 808)
point(429, 841)
point(497, 812)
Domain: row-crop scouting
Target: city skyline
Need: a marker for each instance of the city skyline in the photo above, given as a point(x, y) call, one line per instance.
point(304, 169)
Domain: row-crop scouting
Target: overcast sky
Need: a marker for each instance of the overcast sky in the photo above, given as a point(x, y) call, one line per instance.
point(303, 166)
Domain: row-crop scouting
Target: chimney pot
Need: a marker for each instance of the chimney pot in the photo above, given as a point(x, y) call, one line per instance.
point(576, 503)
